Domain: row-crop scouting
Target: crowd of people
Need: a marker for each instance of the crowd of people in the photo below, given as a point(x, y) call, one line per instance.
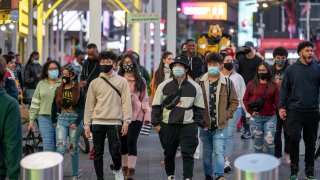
point(106, 95)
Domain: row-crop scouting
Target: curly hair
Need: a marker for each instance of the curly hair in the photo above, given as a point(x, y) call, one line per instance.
point(107, 55)
point(280, 51)
point(44, 73)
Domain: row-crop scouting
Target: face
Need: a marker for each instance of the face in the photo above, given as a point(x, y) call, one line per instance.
point(92, 53)
point(80, 58)
point(11, 65)
point(52, 66)
point(36, 57)
point(127, 61)
point(214, 64)
point(106, 62)
point(169, 60)
point(307, 54)
point(279, 58)
point(190, 47)
point(18, 59)
point(228, 59)
point(180, 65)
point(184, 48)
point(262, 69)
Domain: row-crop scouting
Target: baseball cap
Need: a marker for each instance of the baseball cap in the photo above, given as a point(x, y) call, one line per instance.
point(248, 44)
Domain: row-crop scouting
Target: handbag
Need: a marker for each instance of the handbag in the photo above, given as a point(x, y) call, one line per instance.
point(146, 130)
point(31, 146)
point(172, 100)
point(24, 114)
point(256, 105)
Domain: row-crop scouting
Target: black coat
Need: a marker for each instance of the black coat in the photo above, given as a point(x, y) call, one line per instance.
point(30, 75)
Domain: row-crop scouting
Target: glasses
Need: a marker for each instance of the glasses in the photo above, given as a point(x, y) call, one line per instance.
point(262, 71)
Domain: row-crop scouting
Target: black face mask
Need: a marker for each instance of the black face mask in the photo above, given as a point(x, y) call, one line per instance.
point(128, 67)
point(228, 66)
point(105, 68)
point(263, 76)
point(247, 50)
point(66, 80)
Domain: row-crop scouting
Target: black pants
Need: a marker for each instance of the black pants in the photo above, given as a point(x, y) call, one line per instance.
point(129, 141)
point(99, 133)
point(187, 137)
point(296, 122)
point(277, 138)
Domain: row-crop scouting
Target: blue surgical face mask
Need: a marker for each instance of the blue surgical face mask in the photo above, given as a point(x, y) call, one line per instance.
point(36, 61)
point(213, 70)
point(53, 74)
point(280, 63)
point(178, 71)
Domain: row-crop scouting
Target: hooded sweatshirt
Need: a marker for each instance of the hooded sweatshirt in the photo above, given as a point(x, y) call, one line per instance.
point(300, 87)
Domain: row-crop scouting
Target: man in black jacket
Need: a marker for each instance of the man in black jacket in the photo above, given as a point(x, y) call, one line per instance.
point(91, 66)
point(195, 60)
point(299, 106)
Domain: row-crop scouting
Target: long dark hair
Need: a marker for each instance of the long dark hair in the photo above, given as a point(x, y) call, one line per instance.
point(76, 89)
point(44, 73)
point(34, 53)
point(159, 74)
point(139, 85)
point(255, 83)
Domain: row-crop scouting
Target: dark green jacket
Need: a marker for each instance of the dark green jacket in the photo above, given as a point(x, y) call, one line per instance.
point(10, 136)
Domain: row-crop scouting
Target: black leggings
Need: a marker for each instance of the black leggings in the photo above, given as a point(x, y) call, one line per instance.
point(129, 141)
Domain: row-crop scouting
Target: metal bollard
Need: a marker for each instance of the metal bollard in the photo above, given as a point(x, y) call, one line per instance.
point(42, 165)
point(257, 167)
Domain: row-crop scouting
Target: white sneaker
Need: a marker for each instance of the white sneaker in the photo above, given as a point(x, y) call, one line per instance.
point(287, 156)
point(171, 177)
point(118, 175)
point(227, 166)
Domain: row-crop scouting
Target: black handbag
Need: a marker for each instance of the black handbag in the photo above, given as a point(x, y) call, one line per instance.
point(31, 145)
point(256, 105)
point(172, 100)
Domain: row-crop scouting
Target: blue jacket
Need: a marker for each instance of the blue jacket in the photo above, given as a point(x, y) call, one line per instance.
point(300, 87)
point(11, 88)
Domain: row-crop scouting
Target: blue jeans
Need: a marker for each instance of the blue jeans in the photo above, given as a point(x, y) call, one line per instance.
point(264, 129)
point(64, 130)
point(213, 142)
point(231, 130)
point(47, 132)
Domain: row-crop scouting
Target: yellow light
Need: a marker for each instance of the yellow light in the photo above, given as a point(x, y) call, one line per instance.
point(265, 5)
point(122, 6)
point(23, 17)
point(40, 29)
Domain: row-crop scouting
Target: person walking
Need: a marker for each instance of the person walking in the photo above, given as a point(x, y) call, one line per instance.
point(32, 76)
point(11, 132)
point(261, 99)
point(177, 108)
point(10, 85)
point(195, 60)
point(140, 113)
point(280, 55)
point(78, 61)
point(299, 106)
point(220, 103)
point(67, 113)
point(41, 104)
point(229, 71)
point(247, 65)
point(108, 107)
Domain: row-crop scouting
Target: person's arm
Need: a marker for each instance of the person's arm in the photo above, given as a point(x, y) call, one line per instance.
point(233, 101)
point(28, 76)
point(81, 103)
point(12, 141)
point(276, 95)
point(145, 107)
point(242, 92)
point(35, 104)
point(126, 103)
point(54, 109)
point(198, 108)
point(90, 104)
point(157, 109)
point(284, 90)
point(246, 97)
point(82, 76)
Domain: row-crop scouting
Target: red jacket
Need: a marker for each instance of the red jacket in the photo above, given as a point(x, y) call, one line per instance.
point(270, 105)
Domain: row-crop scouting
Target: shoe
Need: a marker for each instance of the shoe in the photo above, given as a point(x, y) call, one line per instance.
point(220, 178)
point(171, 177)
point(246, 135)
point(131, 173)
point(287, 156)
point(310, 174)
point(294, 173)
point(92, 153)
point(118, 175)
point(74, 177)
point(125, 171)
point(209, 177)
point(188, 179)
point(227, 167)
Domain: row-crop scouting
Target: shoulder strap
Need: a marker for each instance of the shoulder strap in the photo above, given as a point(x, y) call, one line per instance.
point(105, 79)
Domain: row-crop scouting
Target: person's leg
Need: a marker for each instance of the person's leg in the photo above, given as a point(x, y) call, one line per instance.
point(74, 139)
point(310, 129)
point(277, 138)
point(269, 127)
point(231, 130)
point(285, 135)
point(219, 139)
point(124, 152)
point(257, 130)
point(294, 127)
point(99, 136)
point(188, 138)
point(170, 143)
point(114, 141)
point(207, 141)
point(133, 134)
point(47, 132)
point(61, 136)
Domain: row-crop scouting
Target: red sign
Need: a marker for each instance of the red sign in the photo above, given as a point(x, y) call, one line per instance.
point(274, 43)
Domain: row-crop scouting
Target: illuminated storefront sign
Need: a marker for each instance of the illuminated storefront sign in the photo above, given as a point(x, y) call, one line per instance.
point(205, 10)
point(23, 16)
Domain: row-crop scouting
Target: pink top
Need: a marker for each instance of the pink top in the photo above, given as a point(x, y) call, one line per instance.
point(140, 105)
